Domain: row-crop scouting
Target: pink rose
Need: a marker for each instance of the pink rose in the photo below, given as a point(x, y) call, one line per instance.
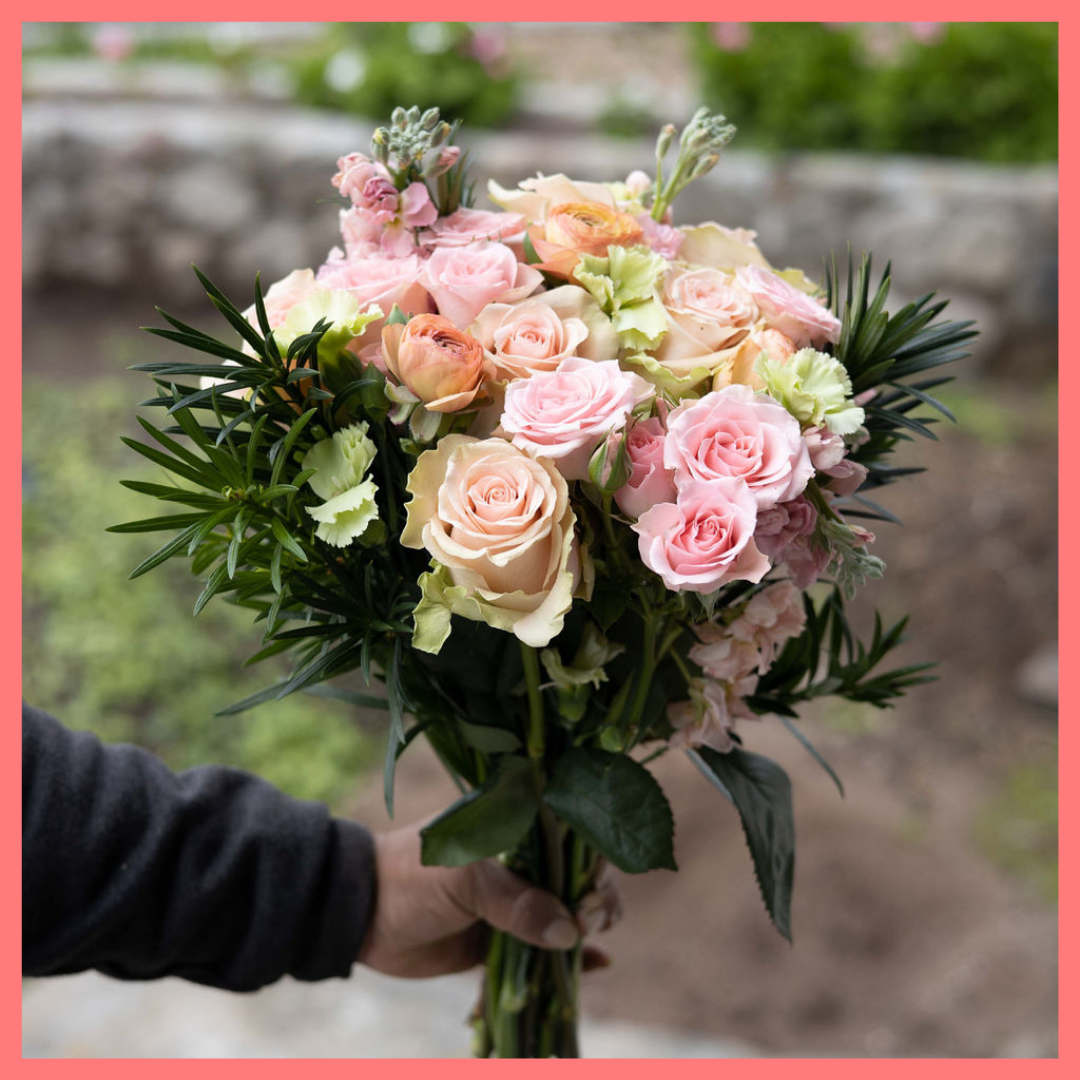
point(736, 433)
point(466, 226)
point(650, 482)
point(779, 525)
point(705, 539)
point(464, 280)
point(794, 313)
point(379, 280)
point(708, 718)
point(565, 414)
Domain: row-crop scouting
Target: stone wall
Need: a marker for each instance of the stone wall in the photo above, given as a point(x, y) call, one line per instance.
point(126, 194)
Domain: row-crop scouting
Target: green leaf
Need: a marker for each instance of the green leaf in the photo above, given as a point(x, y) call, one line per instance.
point(349, 697)
point(283, 447)
point(489, 740)
point(484, 822)
point(616, 805)
point(283, 537)
point(761, 792)
point(812, 751)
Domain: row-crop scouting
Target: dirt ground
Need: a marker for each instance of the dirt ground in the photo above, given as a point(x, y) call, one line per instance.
point(911, 939)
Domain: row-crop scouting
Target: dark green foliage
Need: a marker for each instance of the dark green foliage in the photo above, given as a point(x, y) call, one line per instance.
point(761, 792)
point(616, 805)
point(983, 90)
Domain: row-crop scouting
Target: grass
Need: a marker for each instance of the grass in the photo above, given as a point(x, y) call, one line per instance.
point(125, 658)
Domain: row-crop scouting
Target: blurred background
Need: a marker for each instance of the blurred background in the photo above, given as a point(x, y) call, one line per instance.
point(925, 905)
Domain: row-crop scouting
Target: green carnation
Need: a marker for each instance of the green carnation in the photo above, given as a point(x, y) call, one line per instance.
point(815, 388)
point(340, 309)
point(624, 283)
point(340, 478)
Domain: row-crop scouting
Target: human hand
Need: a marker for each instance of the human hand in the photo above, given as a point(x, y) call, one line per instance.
point(433, 920)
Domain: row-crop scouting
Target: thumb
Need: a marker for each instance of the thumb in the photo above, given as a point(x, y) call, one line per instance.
point(510, 903)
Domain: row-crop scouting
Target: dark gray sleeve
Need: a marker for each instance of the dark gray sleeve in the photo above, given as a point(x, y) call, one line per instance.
point(211, 874)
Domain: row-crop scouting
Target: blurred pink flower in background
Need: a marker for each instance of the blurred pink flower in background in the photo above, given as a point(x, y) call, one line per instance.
point(732, 36)
point(113, 43)
point(927, 33)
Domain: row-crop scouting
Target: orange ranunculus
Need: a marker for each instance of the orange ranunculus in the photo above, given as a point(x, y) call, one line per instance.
point(442, 365)
point(575, 229)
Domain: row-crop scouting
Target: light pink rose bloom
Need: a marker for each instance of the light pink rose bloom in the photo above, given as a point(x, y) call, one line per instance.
point(650, 482)
point(379, 280)
point(779, 525)
point(722, 655)
point(464, 280)
point(708, 310)
point(736, 433)
point(466, 226)
point(770, 618)
point(802, 318)
point(705, 539)
point(708, 718)
point(664, 239)
point(565, 414)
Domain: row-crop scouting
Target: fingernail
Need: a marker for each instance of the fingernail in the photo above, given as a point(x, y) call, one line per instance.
point(560, 934)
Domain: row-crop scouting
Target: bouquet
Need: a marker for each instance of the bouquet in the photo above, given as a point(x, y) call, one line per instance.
point(574, 485)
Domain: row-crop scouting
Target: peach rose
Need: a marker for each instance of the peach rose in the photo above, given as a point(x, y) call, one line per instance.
point(707, 312)
point(442, 365)
point(736, 365)
point(802, 318)
point(739, 434)
point(464, 280)
point(539, 333)
point(581, 228)
point(500, 525)
point(650, 482)
point(565, 414)
point(703, 540)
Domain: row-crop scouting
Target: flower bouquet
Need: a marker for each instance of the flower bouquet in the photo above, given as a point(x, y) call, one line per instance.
point(559, 477)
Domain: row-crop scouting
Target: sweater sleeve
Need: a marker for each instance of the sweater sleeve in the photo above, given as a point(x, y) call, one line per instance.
point(210, 874)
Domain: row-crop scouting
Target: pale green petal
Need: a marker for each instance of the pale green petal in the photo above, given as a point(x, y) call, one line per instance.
point(592, 273)
point(814, 387)
point(341, 461)
point(640, 326)
point(845, 419)
point(664, 378)
point(340, 308)
point(636, 272)
point(432, 615)
point(345, 517)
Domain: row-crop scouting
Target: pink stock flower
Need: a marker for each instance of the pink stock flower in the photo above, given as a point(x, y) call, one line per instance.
point(770, 618)
point(464, 280)
point(722, 655)
point(466, 226)
point(708, 718)
point(705, 539)
point(650, 482)
point(780, 525)
point(564, 414)
point(367, 184)
point(846, 477)
point(805, 560)
point(739, 434)
point(664, 239)
point(794, 313)
point(363, 237)
point(827, 452)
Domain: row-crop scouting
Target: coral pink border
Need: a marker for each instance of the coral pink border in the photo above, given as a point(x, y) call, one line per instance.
point(10, 654)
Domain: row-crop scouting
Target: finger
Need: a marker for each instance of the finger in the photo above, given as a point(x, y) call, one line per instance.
point(600, 909)
point(594, 958)
point(510, 903)
point(447, 956)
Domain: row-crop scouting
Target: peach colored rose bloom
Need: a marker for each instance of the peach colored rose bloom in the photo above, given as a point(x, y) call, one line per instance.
point(565, 414)
point(501, 523)
point(464, 280)
point(537, 334)
point(442, 365)
point(705, 539)
point(650, 482)
point(582, 228)
point(736, 365)
point(737, 433)
point(802, 318)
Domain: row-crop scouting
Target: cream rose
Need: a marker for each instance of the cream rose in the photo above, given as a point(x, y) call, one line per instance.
point(539, 333)
point(500, 527)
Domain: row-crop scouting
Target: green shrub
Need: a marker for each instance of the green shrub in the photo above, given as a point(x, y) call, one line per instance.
point(369, 68)
point(976, 90)
point(125, 658)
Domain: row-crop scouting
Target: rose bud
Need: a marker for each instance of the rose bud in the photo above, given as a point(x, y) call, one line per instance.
point(442, 365)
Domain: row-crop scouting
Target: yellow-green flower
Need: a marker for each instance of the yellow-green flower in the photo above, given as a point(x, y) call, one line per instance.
point(341, 464)
point(624, 283)
point(815, 388)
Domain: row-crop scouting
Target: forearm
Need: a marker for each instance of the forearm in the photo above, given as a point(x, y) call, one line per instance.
point(212, 874)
